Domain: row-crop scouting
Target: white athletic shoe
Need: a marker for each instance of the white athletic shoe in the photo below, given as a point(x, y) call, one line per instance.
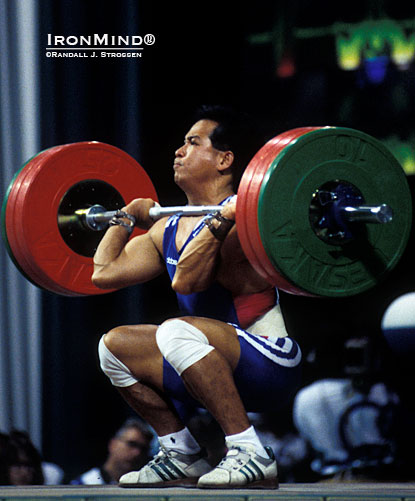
point(242, 467)
point(168, 468)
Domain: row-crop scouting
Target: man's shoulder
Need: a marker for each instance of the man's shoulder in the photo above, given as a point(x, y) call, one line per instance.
point(156, 232)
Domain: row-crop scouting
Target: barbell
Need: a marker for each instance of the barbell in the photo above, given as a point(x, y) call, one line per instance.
point(321, 211)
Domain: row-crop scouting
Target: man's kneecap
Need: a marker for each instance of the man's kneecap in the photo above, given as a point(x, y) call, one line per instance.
point(182, 344)
point(118, 373)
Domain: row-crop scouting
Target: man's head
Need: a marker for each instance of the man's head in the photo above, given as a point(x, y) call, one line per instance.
point(235, 132)
point(129, 448)
point(24, 460)
point(230, 135)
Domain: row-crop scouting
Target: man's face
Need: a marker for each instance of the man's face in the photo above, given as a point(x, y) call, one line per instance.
point(197, 159)
point(130, 449)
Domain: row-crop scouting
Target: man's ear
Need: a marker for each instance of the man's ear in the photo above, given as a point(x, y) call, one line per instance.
point(226, 160)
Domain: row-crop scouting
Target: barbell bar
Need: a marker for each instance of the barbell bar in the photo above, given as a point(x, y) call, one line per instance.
point(96, 218)
point(311, 211)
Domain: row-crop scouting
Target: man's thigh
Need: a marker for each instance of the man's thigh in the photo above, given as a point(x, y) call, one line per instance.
point(221, 335)
point(267, 374)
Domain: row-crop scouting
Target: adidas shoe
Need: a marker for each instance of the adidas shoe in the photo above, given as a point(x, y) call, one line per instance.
point(242, 467)
point(168, 468)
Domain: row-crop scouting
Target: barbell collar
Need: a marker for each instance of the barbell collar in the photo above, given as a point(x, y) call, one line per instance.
point(95, 218)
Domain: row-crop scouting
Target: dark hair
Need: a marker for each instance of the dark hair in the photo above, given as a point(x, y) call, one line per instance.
point(236, 131)
point(139, 425)
point(22, 450)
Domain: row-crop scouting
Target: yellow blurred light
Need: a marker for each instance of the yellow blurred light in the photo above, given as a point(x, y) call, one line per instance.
point(370, 39)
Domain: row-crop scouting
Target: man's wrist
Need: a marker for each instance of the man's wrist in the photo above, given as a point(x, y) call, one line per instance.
point(122, 218)
point(219, 226)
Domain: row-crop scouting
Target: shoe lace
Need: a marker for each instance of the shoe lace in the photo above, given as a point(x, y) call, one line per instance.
point(233, 459)
point(162, 454)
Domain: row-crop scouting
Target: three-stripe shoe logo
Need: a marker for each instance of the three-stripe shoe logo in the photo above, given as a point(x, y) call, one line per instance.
point(167, 470)
point(251, 472)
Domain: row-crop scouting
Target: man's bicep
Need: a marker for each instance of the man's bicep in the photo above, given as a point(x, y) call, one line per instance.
point(141, 260)
point(138, 262)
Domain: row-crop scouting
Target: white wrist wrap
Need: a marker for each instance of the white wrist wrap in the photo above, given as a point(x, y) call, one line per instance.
point(182, 344)
point(118, 373)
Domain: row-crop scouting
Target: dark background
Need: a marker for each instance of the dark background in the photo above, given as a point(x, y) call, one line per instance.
point(202, 54)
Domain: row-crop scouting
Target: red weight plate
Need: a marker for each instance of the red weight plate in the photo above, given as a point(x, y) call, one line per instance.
point(263, 163)
point(72, 260)
point(15, 232)
point(263, 157)
point(17, 228)
point(51, 263)
point(274, 276)
point(247, 207)
point(7, 204)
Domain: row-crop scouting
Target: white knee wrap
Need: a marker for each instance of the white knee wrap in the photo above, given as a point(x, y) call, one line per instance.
point(118, 373)
point(181, 344)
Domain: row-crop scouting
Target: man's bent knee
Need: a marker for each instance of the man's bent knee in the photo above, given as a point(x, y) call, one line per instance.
point(118, 373)
point(182, 344)
point(114, 340)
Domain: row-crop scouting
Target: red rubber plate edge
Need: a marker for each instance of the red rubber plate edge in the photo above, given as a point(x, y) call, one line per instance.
point(276, 278)
point(247, 208)
point(42, 255)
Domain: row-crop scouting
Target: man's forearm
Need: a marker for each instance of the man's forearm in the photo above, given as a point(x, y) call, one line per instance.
point(110, 246)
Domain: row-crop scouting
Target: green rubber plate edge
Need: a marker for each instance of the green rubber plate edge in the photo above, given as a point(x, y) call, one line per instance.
point(391, 158)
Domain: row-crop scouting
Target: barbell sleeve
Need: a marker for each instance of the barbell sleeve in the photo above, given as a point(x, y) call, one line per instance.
point(368, 213)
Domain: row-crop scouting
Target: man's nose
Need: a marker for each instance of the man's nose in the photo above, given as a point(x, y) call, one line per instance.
point(180, 152)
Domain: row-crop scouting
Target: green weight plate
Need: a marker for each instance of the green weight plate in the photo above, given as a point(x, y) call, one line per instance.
point(245, 216)
point(246, 210)
point(297, 172)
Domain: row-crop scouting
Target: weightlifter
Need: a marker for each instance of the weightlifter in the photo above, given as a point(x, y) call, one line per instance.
point(230, 351)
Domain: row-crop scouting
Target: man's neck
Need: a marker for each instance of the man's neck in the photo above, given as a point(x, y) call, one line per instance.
point(210, 198)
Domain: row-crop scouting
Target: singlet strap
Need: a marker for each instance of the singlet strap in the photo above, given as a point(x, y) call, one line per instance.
point(198, 227)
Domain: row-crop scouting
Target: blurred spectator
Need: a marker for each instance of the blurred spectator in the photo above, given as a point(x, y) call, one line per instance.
point(349, 428)
point(21, 463)
point(128, 450)
point(23, 460)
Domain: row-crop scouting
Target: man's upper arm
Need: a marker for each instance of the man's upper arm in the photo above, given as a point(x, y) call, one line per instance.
point(141, 259)
point(138, 262)
point(231, 250)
